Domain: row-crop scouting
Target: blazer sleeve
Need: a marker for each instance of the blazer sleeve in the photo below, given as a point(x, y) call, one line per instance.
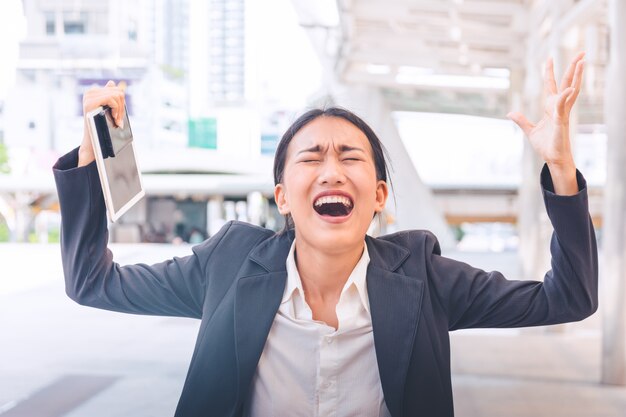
point(175, 287)
point(472, 297)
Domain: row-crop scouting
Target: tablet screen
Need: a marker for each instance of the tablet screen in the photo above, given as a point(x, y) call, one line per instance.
point(117, 165)
point(123, 177)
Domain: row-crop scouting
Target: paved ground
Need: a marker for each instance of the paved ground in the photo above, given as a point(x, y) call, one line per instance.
point(61, 359)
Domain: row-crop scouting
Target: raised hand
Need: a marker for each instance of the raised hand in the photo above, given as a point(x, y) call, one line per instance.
point(109, 95)
point(550, 136)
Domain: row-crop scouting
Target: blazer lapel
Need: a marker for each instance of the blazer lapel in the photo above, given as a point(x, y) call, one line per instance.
point(257, 300)
point(256, 303)
point(395, 303)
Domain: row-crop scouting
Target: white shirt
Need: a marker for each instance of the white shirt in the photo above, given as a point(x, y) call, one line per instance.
point(308, 368)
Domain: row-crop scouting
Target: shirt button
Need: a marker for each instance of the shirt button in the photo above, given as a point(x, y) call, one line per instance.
point(329, 340)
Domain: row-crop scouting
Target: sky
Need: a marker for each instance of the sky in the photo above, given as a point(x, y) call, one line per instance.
point(12, 27)
point(287, 63)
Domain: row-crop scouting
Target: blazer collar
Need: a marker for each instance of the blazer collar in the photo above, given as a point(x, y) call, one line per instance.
point(385, 254)
point(272, 253)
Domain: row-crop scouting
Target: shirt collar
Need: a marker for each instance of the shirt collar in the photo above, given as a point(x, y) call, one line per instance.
point(357, 277)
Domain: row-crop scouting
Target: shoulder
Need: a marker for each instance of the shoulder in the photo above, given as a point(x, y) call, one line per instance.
point(422, 241)
point(235, 236)
point(235, 228)
point(231, 246)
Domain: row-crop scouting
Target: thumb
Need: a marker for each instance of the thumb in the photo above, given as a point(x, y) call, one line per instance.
point(521, 121)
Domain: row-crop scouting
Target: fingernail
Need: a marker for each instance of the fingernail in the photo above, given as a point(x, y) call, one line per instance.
point(121, 124)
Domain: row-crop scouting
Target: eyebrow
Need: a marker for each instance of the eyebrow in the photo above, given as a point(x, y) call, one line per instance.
point(342, 149)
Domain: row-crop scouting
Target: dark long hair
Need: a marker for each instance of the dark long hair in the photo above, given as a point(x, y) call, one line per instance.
point(379, 151)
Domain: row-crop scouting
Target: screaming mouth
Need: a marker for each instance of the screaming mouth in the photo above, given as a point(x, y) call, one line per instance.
point(333, 206)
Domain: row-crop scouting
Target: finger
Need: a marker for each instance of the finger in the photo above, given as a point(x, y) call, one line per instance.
point(110, 83)
point(549, 82)
point(578, 75)
point(122, 111)
point(119, 111)
point(561, 101)
point(577, 84)
point(114, 106)
point(521, 121)
point(569, 74)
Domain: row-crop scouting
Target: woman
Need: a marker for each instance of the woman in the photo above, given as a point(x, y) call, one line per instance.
point(322, 319)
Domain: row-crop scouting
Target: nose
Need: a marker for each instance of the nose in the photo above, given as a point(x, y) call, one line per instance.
point(331, 172)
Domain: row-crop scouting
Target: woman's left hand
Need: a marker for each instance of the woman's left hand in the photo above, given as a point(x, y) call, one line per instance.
point(550, 136)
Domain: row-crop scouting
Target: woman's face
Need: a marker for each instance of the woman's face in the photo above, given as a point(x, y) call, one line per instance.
point(329, 184)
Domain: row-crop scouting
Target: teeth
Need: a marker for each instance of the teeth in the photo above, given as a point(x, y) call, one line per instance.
point(333, 199)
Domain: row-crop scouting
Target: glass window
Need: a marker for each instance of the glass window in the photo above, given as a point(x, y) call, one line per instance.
point(50, 23)
point(74, 23)
point(132, 30)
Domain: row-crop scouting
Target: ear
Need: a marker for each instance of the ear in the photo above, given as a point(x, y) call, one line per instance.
point(281, 200)
point(382, 192)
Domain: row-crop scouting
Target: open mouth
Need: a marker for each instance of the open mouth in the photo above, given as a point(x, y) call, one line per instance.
point(333, 205)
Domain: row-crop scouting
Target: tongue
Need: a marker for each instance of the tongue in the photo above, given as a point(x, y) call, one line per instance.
point(333, 209)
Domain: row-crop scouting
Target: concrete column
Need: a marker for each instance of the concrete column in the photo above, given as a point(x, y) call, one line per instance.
point(530, 201)
point(414, 206)
point(614, 228)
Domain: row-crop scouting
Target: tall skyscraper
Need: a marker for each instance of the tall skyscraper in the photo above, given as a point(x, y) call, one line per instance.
point(173, 27)
point(226, 50)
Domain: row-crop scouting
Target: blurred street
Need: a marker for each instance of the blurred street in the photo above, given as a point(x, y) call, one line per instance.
point(115, 365)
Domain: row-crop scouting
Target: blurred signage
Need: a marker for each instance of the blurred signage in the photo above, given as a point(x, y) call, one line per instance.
point(269, 143)
point(273, 123)
point(202, 133)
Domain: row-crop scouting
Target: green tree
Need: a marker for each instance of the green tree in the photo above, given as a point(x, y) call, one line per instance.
point(5, 233)
point(4, 159)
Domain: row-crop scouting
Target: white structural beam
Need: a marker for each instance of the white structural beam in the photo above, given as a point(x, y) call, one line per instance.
point(422, 55)
point(614, 236)
point(436, 7)
point(581, 13)
point(464, 84)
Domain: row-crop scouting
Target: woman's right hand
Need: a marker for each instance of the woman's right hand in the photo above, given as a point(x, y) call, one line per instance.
point(110, 95)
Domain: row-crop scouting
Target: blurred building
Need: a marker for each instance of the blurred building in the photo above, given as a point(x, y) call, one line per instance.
point(204, 124)
point(190, 96)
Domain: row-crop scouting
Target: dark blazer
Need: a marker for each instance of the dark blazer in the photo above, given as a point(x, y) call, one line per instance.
point(234, 282)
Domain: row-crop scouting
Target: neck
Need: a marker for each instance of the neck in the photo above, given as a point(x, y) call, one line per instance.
point(324, 274)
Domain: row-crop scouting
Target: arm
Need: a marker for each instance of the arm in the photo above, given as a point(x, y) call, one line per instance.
point(475, 298)
point(472, 297)
point(174, 288)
